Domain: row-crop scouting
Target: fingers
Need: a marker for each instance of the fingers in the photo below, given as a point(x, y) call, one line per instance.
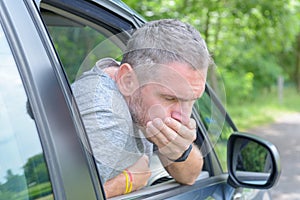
point(192, 124)
point(171, 137)
point(179, 127)
point(169, 130)
point(159, 133)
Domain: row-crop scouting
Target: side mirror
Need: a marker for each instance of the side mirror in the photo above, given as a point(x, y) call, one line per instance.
point(253, 162)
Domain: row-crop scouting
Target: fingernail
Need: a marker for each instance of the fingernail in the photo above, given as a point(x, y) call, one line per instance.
point(168, 120)
point(157, 121)
point(192, 125)
point(148, 123)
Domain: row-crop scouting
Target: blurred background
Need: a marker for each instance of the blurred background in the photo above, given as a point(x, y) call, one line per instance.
point(256, 48)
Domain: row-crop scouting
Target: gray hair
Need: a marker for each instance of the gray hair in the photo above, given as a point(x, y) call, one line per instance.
point(165, 41)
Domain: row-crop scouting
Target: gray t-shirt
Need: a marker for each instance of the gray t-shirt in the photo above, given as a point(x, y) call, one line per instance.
point(116, 141)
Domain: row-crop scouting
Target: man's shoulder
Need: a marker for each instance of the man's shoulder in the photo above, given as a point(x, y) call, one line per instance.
point(97, 72)
point(93, 80)
point(106, 62)
point(95, 86)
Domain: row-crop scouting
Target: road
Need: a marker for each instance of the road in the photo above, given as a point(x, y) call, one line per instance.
point(285, 134)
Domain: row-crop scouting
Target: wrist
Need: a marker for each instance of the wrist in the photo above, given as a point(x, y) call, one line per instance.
point(184, 156)
point(128, 181)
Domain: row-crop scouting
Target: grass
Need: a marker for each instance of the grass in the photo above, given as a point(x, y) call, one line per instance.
point(264, 108)
point(42, 191)
point(49, 197)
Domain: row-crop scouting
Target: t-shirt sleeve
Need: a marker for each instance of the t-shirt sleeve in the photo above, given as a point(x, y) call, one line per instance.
point(107, 122)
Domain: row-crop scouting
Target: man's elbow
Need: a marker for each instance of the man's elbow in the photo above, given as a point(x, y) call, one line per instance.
point(187, 181)
point(190, 179)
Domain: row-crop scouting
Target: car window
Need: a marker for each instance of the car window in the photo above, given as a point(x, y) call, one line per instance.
point(217, 127)
point(79, 43)
point(23, 170)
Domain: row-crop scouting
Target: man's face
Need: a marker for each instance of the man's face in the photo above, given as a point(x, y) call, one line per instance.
point(170, 93)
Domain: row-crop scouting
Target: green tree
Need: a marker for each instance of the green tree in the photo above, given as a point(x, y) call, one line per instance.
point(297, 65)
point(254, 157)
point(251, 41)
point(35, 170)
point(14, 184)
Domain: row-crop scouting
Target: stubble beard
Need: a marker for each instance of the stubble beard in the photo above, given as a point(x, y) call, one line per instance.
point(138, 110)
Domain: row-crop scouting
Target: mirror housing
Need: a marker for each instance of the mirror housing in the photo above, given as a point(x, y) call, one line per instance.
point(253, 162)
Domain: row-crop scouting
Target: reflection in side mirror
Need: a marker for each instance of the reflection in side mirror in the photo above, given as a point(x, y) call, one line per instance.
point(254, 164)
point(252, 161)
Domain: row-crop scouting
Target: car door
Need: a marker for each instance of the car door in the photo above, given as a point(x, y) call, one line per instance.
point(98, 31)
point(23, 169)
point(93, 33)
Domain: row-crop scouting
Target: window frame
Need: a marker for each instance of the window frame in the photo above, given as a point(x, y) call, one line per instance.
point(27, 153)
point(212, 161)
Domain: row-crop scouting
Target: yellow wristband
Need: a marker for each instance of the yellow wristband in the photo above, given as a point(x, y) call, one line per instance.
point(130, 180)
point(127, 182)
point(130, 187)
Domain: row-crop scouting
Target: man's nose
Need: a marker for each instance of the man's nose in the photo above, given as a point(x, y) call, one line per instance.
point(182, 113)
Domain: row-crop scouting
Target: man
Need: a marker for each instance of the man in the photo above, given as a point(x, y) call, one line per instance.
point(146, 100)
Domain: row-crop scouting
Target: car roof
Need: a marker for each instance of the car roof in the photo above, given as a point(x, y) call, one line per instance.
point(115, 5)
point(118, 7)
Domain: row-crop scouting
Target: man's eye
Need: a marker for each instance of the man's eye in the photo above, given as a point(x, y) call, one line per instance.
point(170, 98)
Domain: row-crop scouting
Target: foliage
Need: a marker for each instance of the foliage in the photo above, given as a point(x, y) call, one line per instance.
point(253, 157)
point(34, 183)
point(264, 108)
point(35, 170)
point(34, 192)
point(40, 190)
point(77, 46)
point(14, 183)
point(251, 41)
point(219, 130)
point(243, 84)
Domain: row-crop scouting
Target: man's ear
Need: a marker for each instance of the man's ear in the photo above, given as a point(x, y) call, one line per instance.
point(126, 79)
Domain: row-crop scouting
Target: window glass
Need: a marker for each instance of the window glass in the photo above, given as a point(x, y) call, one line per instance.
point(217, 128)
point(23, 171)
point(79, 45)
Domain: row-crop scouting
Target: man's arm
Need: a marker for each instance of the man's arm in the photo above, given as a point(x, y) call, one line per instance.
point(185, 172)
point(115, 186)
point(173, 139)
point(139, 173)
